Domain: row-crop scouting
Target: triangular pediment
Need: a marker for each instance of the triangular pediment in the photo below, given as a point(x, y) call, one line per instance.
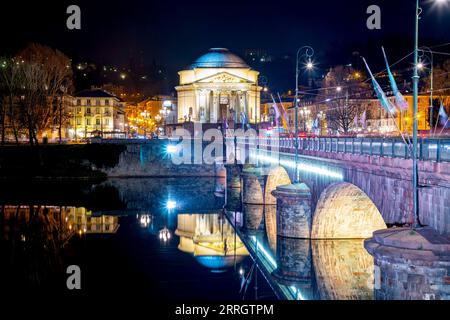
point(223, 77)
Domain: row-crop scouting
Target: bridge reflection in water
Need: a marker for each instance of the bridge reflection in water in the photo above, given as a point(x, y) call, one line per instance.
point(210, 228)
point(303, 269)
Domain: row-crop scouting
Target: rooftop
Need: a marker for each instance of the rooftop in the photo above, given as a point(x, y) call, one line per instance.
point(219, 58)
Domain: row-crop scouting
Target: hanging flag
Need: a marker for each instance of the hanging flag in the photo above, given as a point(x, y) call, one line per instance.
point(355, 122)
point(384, 101)
point(401, 102)
point(363, 121)
point(225, 124)
point(443, 117)
point(285, 115)
point(315, 124)
point(243, 118)
point(277, 111)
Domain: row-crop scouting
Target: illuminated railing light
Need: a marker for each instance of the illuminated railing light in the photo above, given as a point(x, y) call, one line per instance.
point(302, 167)
point(264, 252)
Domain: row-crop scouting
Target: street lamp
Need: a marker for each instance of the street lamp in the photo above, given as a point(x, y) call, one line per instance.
point(164, 235)
point(308, 53)
point(145, 114)
point(416, 222)
point(423, 49)
point(305, 113)
point(165, 113)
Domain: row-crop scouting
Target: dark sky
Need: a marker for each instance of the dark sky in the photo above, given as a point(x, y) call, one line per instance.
point(174, 33)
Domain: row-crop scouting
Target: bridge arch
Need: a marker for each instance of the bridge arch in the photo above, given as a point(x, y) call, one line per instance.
point(277, 176)
point(344, 211)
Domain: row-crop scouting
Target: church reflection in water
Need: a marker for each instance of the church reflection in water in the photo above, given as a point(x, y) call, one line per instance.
point(211, 239)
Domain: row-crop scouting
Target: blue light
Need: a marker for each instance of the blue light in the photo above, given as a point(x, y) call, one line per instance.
point(171, 204)
point(171, 148)
point(265, 253)
point(302, 167)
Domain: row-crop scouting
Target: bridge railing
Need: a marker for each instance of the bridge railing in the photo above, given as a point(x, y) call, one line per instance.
point(428, 149)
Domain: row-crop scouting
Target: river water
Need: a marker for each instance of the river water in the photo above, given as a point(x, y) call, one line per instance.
point(167, 239)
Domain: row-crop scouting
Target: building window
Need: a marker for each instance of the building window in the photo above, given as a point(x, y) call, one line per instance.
point(78, 121)
point(107, 122)
point(78, 109)
point(97, 102)
point(88, 102)
point(97, 121)
point(78, 102)
point(106, 102)
point(88, 121)
point(88, 110)
point(97, 110)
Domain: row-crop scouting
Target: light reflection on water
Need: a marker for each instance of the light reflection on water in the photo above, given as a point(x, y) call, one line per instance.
point(42, 239)
point(302, 269)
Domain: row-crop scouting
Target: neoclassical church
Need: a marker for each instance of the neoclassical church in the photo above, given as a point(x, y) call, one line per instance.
point(217, 86)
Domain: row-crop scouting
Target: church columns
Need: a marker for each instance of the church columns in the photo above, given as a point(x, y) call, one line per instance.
point(215, 107)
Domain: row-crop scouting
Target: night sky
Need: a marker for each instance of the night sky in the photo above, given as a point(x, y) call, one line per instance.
point(174, 33)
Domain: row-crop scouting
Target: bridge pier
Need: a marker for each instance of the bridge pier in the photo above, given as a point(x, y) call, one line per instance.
point(252, 183)
point(410, 264)
point(233, 172)
point(253, 216)
point(294, 264)
point(293, 211)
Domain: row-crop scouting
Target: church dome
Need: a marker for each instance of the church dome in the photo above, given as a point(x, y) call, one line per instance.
point(218, 264)
point(219, 58)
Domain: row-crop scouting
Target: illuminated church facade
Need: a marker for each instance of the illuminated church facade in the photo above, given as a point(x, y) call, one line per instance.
point(218, 86)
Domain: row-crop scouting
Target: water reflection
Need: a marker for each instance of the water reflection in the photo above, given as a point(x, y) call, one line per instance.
point(36, 240)
point(305, 269)
point(157, 231)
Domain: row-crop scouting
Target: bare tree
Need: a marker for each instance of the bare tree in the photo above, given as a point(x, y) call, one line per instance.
point(441, 80)
point(47, 76)
point(341, 89)
point(10, 86)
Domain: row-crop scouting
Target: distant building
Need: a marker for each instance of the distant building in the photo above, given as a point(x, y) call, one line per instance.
point(151, 115)
point(97, 112)
point(218, 87)
point(377, 120)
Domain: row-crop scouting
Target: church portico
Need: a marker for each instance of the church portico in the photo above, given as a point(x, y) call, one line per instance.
point(219, 86)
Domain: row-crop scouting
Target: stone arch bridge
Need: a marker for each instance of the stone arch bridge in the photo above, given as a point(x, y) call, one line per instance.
point(350, 195)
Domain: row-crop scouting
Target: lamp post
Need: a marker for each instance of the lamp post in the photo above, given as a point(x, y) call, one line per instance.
point(145, 115)
point(305, 113)
point(165, 113)
point(308, 53)
point(416, 78)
